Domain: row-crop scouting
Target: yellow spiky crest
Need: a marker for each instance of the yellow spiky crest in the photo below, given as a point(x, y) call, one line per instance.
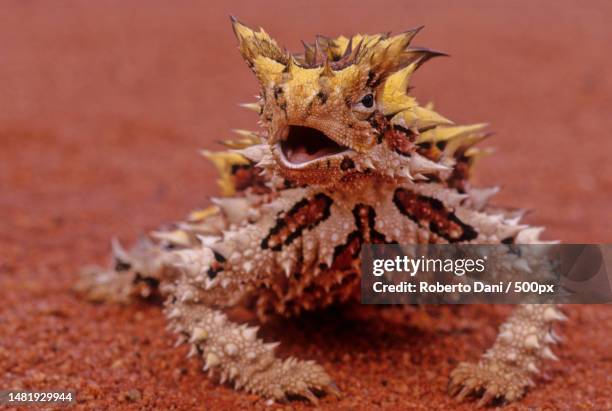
point(260, 51)
point(255, 44)
point(321, 89)
point(223, 162)
point(387, 60)
point(381, 53)
point(394, 96)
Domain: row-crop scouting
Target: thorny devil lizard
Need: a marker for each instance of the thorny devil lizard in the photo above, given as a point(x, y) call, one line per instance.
point(346, 158)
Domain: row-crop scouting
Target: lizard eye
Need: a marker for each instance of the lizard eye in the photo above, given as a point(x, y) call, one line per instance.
point(368, 100)
point(366, 104)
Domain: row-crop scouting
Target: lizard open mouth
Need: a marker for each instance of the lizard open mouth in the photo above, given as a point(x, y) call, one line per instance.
point(305, 144)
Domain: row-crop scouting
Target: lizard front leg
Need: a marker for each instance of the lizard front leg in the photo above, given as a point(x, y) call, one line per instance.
point(506, 369)
point(232, 352)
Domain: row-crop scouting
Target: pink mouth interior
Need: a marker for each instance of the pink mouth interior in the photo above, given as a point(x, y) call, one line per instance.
point(305, 144)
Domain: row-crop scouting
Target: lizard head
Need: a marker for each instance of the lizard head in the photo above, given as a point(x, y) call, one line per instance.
point(340, 110)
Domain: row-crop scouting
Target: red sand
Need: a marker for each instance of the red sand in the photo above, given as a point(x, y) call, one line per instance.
point(102, 110)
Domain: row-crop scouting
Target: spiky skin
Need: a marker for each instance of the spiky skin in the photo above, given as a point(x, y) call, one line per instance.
point(287, 234)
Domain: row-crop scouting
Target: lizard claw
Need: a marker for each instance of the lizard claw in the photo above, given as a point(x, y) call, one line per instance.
point(333, 389)
point(310, 396)
point(307, 376)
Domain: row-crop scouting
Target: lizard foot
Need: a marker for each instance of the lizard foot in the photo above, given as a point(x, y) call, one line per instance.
point(489, 380)
point(291, 377)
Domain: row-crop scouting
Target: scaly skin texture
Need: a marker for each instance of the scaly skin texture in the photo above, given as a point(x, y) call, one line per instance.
point(346, 157)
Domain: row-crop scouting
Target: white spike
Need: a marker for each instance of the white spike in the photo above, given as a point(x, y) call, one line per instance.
point(553, 314)
point(179, 341)
point(480, 196)
point(265, 162)
point(368, 163)
point(547, 353)
point(198, 334)
point(271, 346)
point(192, 351)
point(118, 251)
point(256, 107)
point(506, 335)
point(405, 174)
point(234, 208)
point(174, 313)
point(419, 163)
point(208, 284)
point(207, 240)
point(250, 333)
point(247, 266)
point(556, 336)
point(221, 248)
point(521, 264)
point(532, 341)
point(244, 133)
point(287, 266)
point(233, 371)
point(287, 364)
point(515, 220)
point(549, 339)
point(529, 235)
point(179, 237)
point(255, 153)
point(187, 296)
point(531, 367)
point(211, 361)
point(231, 349)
